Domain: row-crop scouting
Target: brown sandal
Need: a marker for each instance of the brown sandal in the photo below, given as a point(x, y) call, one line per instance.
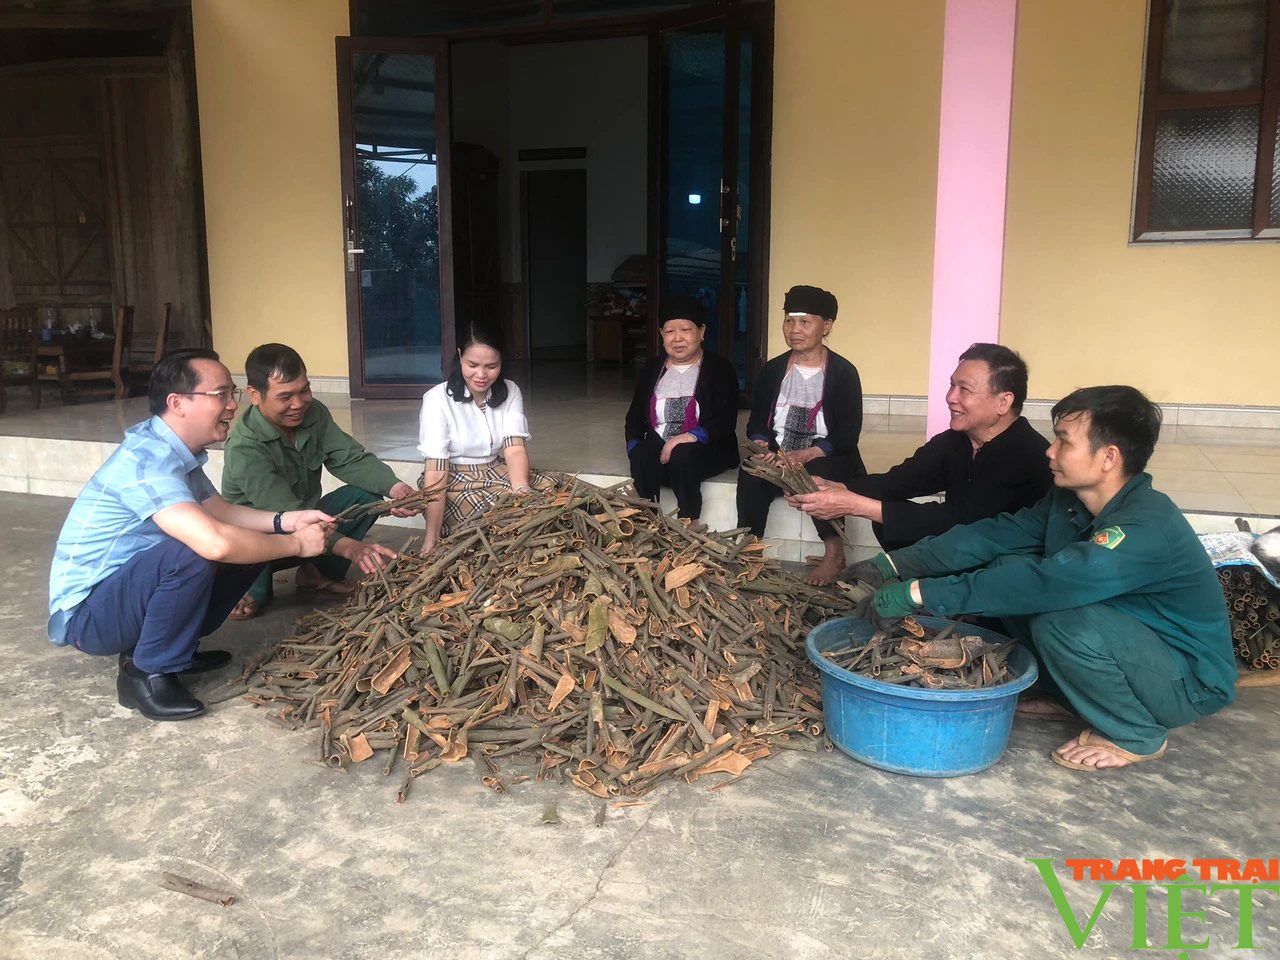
point(250, 607)
point(1087, 738)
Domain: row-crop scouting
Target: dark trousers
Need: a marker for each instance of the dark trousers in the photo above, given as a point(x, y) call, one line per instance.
point(887, 544)
point(755, 495)
point(690, 464)
point(1113, 670)
point(159, 605)
point(330, 567)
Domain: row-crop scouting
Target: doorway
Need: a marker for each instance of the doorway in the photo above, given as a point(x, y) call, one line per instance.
point(554, 228)
point(706, 87)
point(393, 130)
point(565, 125)
point(614, 161)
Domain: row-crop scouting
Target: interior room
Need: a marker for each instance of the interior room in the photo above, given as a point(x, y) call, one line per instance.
point(557, 135)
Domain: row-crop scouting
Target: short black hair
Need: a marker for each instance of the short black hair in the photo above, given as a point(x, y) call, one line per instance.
point(1007, 371)
point(272, 360)
point(1118, 415)
point(174, 374)
point(476, 334)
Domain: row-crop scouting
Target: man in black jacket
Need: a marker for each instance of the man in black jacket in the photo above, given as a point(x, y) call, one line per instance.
point(991, 461)
point(681, 425)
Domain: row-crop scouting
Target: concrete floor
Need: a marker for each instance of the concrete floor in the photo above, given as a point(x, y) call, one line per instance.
point(809, 856)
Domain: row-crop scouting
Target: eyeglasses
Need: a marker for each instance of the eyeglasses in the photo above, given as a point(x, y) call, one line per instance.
point(223, 395)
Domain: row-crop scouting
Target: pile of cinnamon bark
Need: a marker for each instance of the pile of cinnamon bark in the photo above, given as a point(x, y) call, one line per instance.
point(579, 634)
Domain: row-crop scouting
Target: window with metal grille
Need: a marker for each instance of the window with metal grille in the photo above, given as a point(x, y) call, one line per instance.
point(1209, 157)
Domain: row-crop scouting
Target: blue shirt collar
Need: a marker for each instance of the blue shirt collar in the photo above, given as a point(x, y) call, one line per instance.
point(190, 461)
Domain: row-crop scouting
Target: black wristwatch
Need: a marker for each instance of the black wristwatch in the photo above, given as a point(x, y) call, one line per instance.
point(275, 522)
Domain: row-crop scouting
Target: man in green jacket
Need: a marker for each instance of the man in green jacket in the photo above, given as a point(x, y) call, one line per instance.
point(1103, 579)
point(272, 461)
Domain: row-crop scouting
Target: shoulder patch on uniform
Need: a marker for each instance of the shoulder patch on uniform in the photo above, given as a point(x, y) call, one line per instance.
point(1109, 538)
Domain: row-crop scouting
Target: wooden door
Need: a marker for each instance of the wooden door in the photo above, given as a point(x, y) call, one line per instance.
point(54, 220)
point(709, 151)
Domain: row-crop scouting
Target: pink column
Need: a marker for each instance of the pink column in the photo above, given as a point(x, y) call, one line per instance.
point(973, 167)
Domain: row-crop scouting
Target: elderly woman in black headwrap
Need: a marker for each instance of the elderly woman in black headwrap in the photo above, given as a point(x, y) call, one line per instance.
point(681, 424)
point(808, 405)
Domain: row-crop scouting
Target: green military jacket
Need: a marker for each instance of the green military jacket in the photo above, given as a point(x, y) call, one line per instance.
point(264, 470)
point(1139, 555)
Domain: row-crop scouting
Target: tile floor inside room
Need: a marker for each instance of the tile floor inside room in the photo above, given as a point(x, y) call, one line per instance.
point(576, 414)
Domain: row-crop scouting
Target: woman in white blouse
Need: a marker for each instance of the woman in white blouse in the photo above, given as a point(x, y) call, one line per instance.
point(472, 432)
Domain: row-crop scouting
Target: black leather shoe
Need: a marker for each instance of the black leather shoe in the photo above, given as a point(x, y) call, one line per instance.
point(157, 696)
point(204, 660)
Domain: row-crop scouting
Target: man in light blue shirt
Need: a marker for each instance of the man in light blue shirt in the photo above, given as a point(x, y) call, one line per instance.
point(150, 558)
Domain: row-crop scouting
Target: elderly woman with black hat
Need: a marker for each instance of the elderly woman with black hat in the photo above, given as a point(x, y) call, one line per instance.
point(681, 425)
point(807, 405)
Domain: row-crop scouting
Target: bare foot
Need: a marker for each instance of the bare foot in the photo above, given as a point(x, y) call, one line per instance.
point(826, 571)
point(830, 565)
point(1089, 751)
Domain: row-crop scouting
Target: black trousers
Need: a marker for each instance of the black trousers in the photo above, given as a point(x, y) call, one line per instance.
point(690, 464)
point(755, 495)
point(888, 544)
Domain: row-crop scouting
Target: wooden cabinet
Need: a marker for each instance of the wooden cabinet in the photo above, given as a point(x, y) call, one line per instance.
point(606, 338)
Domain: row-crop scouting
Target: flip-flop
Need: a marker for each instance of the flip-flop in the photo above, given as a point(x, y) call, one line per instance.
point(1059, 712)
point(1087, 738)
point(254, 608)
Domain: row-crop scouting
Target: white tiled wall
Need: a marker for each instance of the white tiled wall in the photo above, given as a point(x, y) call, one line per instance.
point(55, 468)
point(59, 468)
point(13, 457)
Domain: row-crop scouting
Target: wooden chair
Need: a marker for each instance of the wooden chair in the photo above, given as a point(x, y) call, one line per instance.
point(19, 337)
point(111, 381)
point(140, 368)
point(49, 370)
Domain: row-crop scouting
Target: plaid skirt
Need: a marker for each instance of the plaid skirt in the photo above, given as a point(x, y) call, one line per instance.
point(473, 488)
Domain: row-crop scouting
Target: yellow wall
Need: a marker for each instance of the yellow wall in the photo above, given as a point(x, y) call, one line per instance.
point(855, 169)
point(269, 145)
point(854, 161)
point(856, 101)
point(1190, 323)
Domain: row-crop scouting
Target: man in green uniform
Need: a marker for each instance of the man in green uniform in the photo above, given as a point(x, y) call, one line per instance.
point(1103, 579)
point(272, 461)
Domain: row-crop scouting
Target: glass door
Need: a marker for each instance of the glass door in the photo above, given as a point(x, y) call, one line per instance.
point(741, 341)
point(691, 124)
point(704, 152)
point(393, 131)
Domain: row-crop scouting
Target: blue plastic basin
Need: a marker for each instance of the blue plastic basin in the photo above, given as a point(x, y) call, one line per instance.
point(925, 733)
